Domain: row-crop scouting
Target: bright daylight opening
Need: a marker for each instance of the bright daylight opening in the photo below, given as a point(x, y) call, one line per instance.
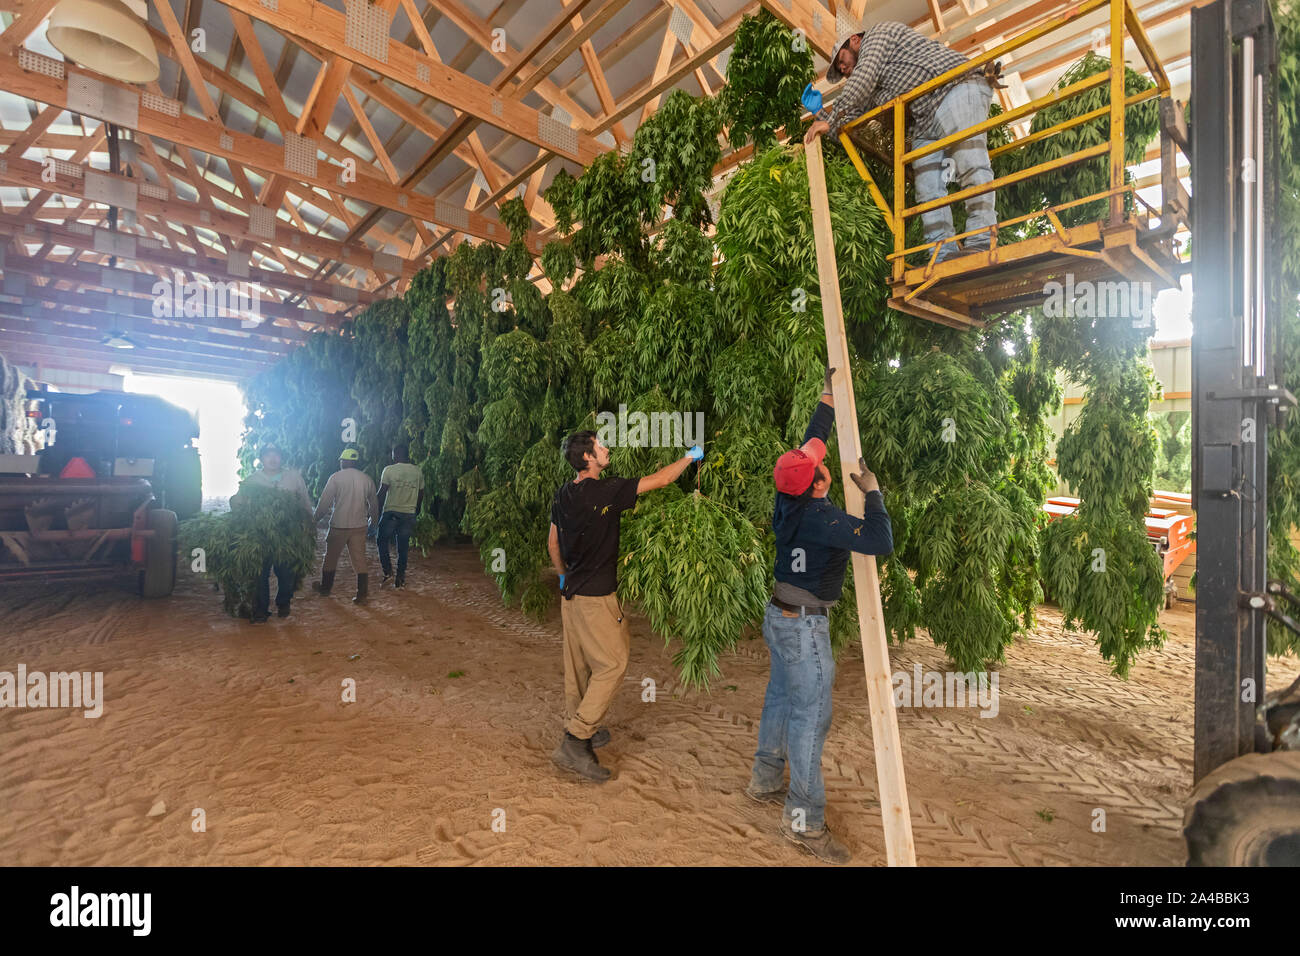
point(219, 408)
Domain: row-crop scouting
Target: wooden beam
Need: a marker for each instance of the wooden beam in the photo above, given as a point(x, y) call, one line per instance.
point(670, 79)
point(24, 140)
point(132, 292)
point(185, 57)
point(375, 142)
point(232, 225)
point(81, 328)
point(64, 236)
point(666, 47)
point(891, 783)
point(16, 345)
point(31, 17)
point(325, 27)
point(194, 132)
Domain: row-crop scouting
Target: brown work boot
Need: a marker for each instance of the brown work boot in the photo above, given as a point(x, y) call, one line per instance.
point(576, 756)
point(776, 796)
point(599, 738)
point(820, 844)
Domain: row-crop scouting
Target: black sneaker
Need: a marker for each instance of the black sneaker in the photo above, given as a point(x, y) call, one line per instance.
point(260, 618)
point(282, 610)
point(400, 582)
point(388, 575)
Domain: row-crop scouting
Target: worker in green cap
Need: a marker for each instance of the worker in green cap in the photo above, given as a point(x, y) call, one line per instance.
point(349, 499)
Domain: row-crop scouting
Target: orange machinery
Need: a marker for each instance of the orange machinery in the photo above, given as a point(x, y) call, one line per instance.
point(1169, 532)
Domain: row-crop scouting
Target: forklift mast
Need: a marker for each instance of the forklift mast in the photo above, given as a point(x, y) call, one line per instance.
point(1237, 389)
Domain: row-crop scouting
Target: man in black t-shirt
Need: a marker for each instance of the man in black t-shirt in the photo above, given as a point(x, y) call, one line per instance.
point(584, 549)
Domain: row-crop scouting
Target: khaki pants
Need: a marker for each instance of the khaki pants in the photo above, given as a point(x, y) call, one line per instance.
point(354, 539)
point(596, 647)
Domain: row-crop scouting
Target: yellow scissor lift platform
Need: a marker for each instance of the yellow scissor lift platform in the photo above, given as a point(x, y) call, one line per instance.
point(1123, 247)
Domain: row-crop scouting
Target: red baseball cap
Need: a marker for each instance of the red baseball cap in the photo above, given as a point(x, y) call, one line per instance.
point(795, 470)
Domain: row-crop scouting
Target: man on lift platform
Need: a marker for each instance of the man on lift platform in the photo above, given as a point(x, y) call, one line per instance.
point(883, 62)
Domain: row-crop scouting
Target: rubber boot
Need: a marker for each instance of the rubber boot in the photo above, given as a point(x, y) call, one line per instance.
point(325, 584)
point(363, 589)
point(576, 756)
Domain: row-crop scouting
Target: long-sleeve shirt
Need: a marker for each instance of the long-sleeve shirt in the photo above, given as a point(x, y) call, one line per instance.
point(349, 499)
point(286, 479)
point(814, 538)
point(892, 60)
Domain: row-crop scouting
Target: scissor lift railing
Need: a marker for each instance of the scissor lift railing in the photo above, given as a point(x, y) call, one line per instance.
point(1124, 246)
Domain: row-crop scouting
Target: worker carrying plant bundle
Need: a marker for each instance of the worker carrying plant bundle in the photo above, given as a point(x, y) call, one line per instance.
point(401, 492)
point(349, 499)
point(813, 541)
point(273, 474)
point(583, 544)
point(884, 61)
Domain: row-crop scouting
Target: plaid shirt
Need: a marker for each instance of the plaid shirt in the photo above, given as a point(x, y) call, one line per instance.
point(892, 60)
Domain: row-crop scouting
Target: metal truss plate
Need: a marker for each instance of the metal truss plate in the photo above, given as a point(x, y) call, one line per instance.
point(91, 97)
point(366, 28)
point(563, 137)
point(111, 190)
point(261, 221)
point(300, 154)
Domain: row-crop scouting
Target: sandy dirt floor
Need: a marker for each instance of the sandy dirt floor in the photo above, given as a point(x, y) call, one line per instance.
point(457, 712)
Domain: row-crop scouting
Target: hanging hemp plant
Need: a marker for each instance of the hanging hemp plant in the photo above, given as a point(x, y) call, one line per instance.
point(938, 432)
point(300, 404)
point(767, 71)
point(696, 569)
point(1097, 562)
point(1141, 126)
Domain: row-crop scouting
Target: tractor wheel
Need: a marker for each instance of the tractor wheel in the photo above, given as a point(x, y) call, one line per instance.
point(159, 574)
point(182, 483)
point(1246, 813)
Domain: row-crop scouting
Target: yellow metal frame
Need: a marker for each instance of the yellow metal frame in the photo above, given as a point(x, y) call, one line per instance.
point(1111, 233)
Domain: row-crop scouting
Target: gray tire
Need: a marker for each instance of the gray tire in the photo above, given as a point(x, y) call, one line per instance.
point(1246, 813)
point(159, 575)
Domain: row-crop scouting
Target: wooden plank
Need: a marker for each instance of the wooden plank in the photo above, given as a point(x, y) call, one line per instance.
point(892, 787)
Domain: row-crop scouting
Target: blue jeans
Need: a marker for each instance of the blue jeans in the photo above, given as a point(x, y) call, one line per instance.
point(285, 584)
point(796, 713)
point(394, 523)
point(966, 162)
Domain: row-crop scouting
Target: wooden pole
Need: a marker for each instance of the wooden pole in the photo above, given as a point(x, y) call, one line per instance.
point(892, 788)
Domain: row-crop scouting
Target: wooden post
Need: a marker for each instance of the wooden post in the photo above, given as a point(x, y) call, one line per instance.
point(892, 788)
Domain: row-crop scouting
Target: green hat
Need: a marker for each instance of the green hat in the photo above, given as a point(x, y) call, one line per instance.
point(349, 454)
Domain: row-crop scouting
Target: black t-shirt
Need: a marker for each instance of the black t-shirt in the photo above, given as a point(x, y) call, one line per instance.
point(586, 514)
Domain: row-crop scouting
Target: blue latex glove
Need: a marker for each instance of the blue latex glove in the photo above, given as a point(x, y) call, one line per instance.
point(695, 453)
point(561, 582)
point(811, 99)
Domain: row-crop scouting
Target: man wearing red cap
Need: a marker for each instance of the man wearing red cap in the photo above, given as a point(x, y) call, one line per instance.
point(813, 541)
